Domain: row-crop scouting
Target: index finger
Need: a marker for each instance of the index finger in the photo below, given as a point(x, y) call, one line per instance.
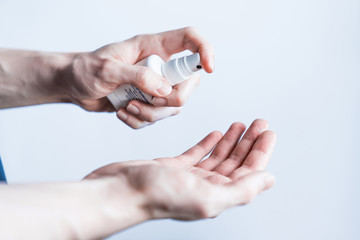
point(195, 154)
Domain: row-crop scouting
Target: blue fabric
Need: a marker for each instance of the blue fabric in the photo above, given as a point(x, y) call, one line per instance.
point(2, 173)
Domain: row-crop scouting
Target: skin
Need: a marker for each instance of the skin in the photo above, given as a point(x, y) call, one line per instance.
point(85, 79)
point(120, 195)
point(123, 194)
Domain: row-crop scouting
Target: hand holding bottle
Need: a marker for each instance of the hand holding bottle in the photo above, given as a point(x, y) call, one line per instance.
point(96, 74)
point(86, 78)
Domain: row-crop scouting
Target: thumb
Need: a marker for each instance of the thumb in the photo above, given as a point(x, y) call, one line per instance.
point(146, 80)
point(247, 187)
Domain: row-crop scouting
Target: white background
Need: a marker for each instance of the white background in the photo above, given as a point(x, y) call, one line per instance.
point(294, 63)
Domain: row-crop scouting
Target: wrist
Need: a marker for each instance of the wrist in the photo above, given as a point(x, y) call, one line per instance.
point(56, 73)
point(115, 205)
point(125, 199)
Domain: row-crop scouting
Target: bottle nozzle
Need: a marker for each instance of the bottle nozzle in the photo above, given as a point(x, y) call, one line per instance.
point(193, 62)
point(180, 69)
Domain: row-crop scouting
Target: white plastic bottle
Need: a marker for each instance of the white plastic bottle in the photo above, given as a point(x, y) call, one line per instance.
point(175, 71)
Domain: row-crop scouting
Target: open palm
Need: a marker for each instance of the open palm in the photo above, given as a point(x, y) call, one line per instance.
point(187, 188)
point(230, 158)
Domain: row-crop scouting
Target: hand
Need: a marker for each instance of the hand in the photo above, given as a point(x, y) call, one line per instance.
point(96, 74)
point(186, 188)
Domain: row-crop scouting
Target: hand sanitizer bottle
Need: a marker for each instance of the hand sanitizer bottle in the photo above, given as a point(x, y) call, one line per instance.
point(175, 71)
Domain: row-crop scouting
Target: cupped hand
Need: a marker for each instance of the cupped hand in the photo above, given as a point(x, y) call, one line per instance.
point(187, 188)
point(94, 75)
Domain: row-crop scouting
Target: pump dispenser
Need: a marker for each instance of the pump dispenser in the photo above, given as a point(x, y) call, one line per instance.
point(175, 71)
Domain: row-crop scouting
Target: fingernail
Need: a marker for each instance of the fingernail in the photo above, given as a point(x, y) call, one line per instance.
point(122, 115)
point(164, 89)
point(133, 109)
point(269, 181)
point(160, 102)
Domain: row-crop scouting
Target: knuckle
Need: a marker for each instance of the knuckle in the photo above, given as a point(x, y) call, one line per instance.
point(138, 124)
point(179, 101)
point(134, 127)
point(140, 39)
point(104, 68)
point(141, 75)
point(190, 30)
point(205, 207)
point(151, 117)
point(248, 196)
point(177, 111)
point(117, 115)
point(137, 37)
point(145, 113)
point(203, 210)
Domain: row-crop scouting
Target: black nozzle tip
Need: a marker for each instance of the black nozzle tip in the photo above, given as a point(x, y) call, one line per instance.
point(199, 67)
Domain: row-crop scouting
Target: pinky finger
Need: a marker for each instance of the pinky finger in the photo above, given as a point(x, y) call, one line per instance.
point(131, 120)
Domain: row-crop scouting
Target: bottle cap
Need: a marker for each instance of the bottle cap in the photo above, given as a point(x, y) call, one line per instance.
point(180, 69)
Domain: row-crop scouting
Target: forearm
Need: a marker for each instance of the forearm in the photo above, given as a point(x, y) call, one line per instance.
point(82, 210)
point(30, 77)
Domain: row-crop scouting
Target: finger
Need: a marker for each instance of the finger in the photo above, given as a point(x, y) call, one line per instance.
point(194, 155)
point(243, 148)
point(224, 147)
point(189, 38)
point(244, 190)
point(259, 156)
point(116, 73)
point(180, 93)
point(131, 120)
point(149, 113)
point(167, 43)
